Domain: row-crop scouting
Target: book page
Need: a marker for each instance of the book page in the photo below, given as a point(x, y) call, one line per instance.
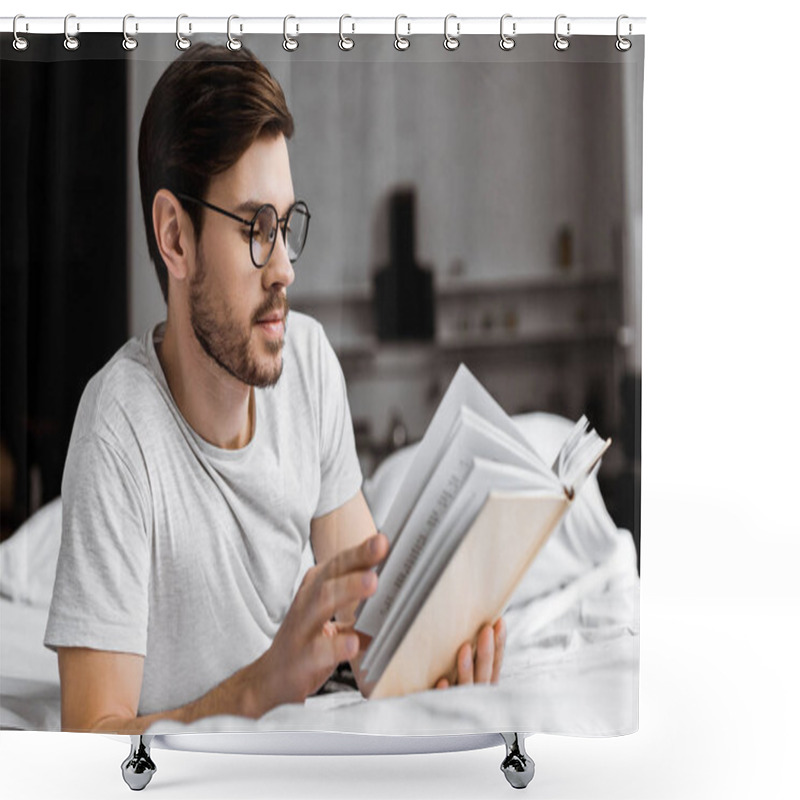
point(464, 390)
point(485, 476)
point(579, 455)
point(471, 436)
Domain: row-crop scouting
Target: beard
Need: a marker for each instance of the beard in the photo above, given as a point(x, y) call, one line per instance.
point(229, 344)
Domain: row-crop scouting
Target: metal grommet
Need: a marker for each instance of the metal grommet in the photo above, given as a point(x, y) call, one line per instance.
point(345, 43)
point(128, 42)
point(20, 42)
point(182, 43)
point(70, 42)
point(451, 42)
point(623, 44)
point(507, 42)
point(233, 44)
point(400, 42)
point(289, 43)
point(561, 43)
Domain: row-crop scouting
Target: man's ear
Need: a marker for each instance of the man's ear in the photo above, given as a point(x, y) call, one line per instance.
point(174, 233)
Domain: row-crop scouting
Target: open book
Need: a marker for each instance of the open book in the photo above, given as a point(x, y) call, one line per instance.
point(476, 505)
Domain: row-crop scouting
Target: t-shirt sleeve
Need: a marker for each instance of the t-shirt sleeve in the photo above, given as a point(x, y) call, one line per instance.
point(340, 471)
point(100, 599)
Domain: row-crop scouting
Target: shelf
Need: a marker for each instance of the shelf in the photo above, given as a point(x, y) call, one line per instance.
point(553, 336)
point(517, 285)
point(372, 348)
point(448, 288)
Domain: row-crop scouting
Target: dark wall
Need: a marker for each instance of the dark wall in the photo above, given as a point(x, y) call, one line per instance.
point(63, 247)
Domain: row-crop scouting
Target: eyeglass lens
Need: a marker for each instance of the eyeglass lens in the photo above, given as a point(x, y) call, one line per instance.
point(265, 231)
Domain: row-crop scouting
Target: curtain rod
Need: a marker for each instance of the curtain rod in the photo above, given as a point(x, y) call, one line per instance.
point(297, 26)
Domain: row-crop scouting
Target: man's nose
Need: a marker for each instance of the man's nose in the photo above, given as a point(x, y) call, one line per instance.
point(278, 271)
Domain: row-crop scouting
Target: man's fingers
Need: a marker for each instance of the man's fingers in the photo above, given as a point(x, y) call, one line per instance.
point(338, 593)
point(465, 674)
point(339, 584)
point(499, 648)
point(362, 557)
point(484, 660)
point(330, 650)
point(346, 647)
point(364, 639)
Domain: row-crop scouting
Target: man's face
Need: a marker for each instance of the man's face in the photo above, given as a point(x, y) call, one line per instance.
point(239, 313)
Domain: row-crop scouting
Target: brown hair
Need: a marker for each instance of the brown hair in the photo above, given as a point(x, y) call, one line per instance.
point(206, 110)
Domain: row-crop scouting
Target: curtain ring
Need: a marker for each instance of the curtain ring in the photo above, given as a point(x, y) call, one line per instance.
point(70, 42)
point(623, 44)
point(400, 42)
point(182, 43)
point(451, 42)
point(507, 42)
point(289, 43)
point(20, 42)
point(561, 43)
point(345, 43)
point(128, 42)
point(233, 44)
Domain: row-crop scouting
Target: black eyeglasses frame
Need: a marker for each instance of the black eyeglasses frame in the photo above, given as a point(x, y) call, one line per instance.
point(282, 222)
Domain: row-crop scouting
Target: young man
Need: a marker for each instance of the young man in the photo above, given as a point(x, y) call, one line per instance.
point(206, 454)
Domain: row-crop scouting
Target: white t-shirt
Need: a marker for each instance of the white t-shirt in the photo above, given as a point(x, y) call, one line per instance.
point(183, 552)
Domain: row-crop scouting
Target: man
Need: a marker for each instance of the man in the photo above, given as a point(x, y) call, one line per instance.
point(206, 454)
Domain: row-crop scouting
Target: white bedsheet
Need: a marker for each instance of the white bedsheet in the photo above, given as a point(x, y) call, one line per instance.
point(29, 690)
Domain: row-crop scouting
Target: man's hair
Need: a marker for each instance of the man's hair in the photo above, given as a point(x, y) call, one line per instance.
point(206, 110)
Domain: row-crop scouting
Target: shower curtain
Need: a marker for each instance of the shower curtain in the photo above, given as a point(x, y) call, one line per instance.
point(468, 204)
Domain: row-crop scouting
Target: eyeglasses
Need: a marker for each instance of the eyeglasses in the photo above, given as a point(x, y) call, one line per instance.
point(264, 228)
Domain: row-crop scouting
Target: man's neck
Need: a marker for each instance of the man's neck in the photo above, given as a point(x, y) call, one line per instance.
point(219, 408)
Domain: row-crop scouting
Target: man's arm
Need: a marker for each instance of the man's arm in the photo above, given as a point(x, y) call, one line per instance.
point(344, 527)
point(100, 690)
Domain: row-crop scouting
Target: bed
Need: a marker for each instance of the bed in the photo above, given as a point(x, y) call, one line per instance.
point(571, 665)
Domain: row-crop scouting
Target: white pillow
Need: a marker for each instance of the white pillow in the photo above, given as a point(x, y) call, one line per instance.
point(28, 558)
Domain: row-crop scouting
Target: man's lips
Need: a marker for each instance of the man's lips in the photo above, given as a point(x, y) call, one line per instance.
point(273, 320)
point(272, 325)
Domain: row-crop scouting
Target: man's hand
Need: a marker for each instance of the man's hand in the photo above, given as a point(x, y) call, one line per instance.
point(485, 666)
point(308, 646)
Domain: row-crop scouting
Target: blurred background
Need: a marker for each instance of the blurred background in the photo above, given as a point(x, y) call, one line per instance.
point(476, 206)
